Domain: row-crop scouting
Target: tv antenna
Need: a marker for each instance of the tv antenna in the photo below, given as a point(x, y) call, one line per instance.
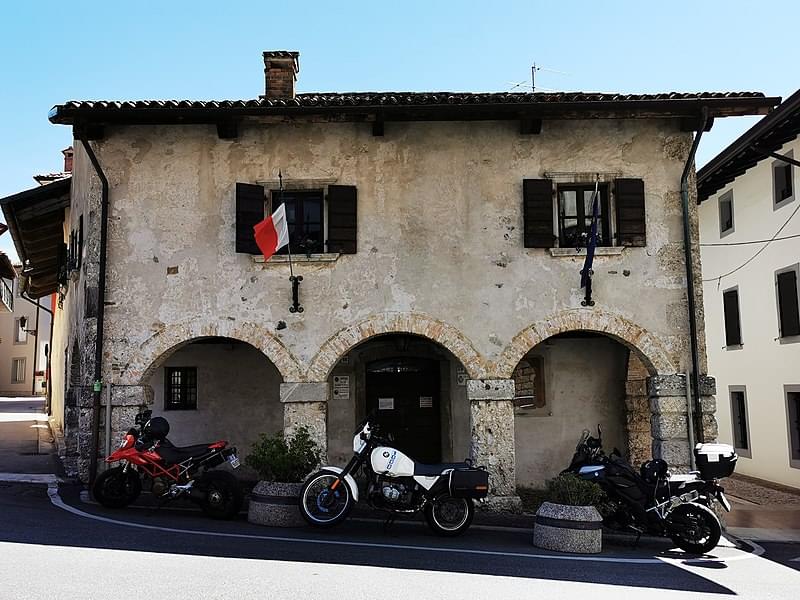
point(534, 69)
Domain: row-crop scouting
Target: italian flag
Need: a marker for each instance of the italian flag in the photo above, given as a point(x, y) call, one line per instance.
point(272, 233)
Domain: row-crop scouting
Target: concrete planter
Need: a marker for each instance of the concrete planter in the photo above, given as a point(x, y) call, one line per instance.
point(577, 529)
point(275, 504)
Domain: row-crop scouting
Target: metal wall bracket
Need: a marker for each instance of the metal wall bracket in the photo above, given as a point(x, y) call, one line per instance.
point(296, 307)
point(587, 300)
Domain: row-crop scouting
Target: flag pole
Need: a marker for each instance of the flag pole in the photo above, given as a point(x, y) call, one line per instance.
point(295, 307)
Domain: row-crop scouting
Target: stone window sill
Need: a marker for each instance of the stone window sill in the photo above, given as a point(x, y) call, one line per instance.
point(283, 259)
point(600, 251)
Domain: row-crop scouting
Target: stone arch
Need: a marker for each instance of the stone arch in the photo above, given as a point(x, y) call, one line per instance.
point(419, 324)
point(161, 345)
point(644, 345)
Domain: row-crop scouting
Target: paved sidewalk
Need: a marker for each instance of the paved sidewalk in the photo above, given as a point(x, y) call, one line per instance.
point(27, 446)
point(761, 511)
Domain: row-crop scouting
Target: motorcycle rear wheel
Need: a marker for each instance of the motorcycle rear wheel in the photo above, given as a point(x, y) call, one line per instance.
point(222, 497)
point(320, 505)
point(116, 488)
point(694, 528)
point(449, 516)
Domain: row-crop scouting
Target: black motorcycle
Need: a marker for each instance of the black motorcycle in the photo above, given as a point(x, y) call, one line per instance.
point(652, 501)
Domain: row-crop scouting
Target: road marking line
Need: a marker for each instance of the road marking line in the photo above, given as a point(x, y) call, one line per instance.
point(29, 478)
point(56, 500)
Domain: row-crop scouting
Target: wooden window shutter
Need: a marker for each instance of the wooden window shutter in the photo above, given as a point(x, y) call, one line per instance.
point(733, 328)
point(631, 222)
point(787, 304)
point(342, 219)
point(249, 212)
point(537, 213)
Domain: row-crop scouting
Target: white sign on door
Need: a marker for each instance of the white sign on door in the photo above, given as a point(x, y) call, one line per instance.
point(385, 403)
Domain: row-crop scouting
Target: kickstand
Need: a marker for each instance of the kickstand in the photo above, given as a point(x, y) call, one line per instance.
point(164, 502)
point(388, 523)
point(638, 537)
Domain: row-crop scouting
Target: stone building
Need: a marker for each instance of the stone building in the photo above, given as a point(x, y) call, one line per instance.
point(436, 237)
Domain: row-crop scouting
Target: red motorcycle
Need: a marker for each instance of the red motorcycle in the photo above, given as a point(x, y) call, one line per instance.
point(147, 457)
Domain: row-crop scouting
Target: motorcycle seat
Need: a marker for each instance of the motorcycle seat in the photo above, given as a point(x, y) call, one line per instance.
point(174, 454)
point(436, 469)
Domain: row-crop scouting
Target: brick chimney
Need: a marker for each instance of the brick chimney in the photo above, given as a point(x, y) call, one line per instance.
point(280, 72)
point(67, 152)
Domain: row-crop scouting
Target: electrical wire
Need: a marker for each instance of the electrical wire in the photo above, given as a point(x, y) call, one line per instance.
point(760, 250)
point(777, 239)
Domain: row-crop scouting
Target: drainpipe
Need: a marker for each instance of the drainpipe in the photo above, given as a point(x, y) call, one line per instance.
point(687, 248)
point(101, 295)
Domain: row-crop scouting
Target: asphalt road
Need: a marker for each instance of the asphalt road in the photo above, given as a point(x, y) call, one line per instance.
point(55, 546)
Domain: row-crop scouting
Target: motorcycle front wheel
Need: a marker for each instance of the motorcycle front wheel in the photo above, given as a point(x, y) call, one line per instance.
point(694, 528)
point(449, 516)
point(322, 506)
point(116, 488)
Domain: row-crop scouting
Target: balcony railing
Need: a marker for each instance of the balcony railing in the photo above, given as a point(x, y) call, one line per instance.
point(6, 297)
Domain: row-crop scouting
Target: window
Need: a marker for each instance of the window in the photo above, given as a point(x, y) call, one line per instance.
point(562, 215)
point(726, 214)
point(20, 335)
point(793, 418)
point(305, 212)
point(529, 392)
point(17, 370)
point(782, 183)
point(180, 388)
point(733, 326)
point(323, 220)
point(788, 301)
point(741, 438)
point(575, 216)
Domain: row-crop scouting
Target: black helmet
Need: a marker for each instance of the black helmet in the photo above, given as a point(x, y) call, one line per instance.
point(654, 470)
point(156, 428)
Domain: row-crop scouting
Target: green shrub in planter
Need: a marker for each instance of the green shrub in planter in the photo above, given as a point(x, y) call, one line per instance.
point(285, 459)
point(571, 490)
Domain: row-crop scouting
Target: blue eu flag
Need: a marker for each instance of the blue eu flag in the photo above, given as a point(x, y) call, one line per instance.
point(591, 243)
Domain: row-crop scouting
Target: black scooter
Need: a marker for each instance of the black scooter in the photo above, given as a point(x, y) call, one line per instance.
point(650, 500)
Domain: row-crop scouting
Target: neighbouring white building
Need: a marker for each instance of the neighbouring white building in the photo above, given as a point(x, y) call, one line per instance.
point(748, 196)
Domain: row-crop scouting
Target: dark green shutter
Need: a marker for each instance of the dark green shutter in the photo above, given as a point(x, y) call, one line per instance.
point(787, 304)
point(249, 212)
point(537, 213)
point(629, 202)
point(733, 327)
point(342, 219)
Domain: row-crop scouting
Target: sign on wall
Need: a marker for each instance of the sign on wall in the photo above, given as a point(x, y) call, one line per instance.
point(385, 403)
point(341, 387)
point(426, 401)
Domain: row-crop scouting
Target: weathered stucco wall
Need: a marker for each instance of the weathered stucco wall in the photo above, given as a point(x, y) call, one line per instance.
point(585, 386)
point(232, 380)
point(439, 229)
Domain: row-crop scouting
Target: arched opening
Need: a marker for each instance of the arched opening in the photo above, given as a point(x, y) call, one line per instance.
point(216, 388)
point(415, 387)
point(563, 385)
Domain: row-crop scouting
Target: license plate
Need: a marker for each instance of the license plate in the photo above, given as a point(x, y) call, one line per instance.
point(234, 460)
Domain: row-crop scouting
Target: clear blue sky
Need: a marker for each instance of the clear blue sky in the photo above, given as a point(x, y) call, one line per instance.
point(51, 52)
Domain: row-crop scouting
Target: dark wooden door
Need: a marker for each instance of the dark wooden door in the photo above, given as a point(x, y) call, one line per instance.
point(404, 394)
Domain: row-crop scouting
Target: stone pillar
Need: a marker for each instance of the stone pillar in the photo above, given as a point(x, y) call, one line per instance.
point(306, 404)
point(668, 421)
point(492, 423)
point(637, 413)
point(126, 402)
point(708, 408)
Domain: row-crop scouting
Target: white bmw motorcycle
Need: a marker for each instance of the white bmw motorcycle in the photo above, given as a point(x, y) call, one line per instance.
point(395, 483)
